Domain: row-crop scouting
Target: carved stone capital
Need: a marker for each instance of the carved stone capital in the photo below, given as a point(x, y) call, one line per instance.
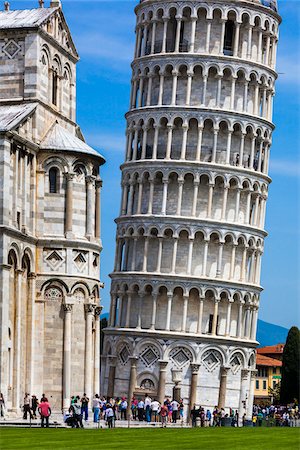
point(68, 307)
point(89, 308)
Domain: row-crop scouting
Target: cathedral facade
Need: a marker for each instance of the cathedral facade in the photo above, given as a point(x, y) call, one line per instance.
point(49, 214)
point(186, 283)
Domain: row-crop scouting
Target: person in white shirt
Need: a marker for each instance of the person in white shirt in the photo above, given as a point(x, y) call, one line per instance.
point(175, 406)
point(141, 406)
point(148, 408)
point(96, 404)
point(109, 416)
point(155, 408)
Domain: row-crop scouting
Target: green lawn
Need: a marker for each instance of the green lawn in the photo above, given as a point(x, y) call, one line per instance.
point(145, 438)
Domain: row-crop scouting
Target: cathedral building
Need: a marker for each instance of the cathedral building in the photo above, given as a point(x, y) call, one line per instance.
point(190, 236)
point(49, 216)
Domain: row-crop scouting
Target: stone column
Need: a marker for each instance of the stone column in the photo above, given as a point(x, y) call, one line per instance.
point(208, 22)
point(228, 317)
point(215, 318)
point(184, 312)
point(193, 388)
point(88, 373)
point(177, 38)
point(31, 333)
point(69, 204)
point(193, 33)
point(223, 22)
point(144, 141)
point(219, 261)
point(189, 88)
point(180, 190)
point(237, 204)
point(139, 318)
point(245, 101)
point(132, 381)
point(90, 181)
point(195, 196)
point(249, 410)
point(254, 323)
point(154, 305)
point(149, 91)
point(16, 186)
point(169, 140)
point(232, 262)
point(162, 380)
point(141, 87)
point(174, 256)
point(67, 355)
point(210, 199)
point(199, 142)
point(16, 401)
point(204, 89)
point(223, 386)
point(230, 131)
point(98, 209)
point(153, 36)
point(205, 258)
point(224, 204)
point(174, 87)
point(140, 196)
point(200, 315)
point(185, 129)
point(259, 46)
point(165, 196)
point(219, 88)
point(155, 140)
point(232, 96)
point(190, 255)
point(128, 310)
point(236, 39)
point(164, 40)
point(240, 320)
point(151, 192)
point(96, 388)
point(159, 255)
point(112, 361)
point(252, 151)
point(214, 151)
point(169, 310)
point(243, 395)
point(249, 43)
point(24, 193)
point(145, 256)
point(161, 88)
point(241, 155)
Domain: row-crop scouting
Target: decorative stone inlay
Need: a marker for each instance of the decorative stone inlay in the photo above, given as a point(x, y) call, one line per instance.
point(149, 356)
point(236, 364)
point(54, 259)
point(124, 355)
point(181, 356)
point(80, 261)
point(53, 293)
point(211, 360)
point(11, 48)
point(147, 384)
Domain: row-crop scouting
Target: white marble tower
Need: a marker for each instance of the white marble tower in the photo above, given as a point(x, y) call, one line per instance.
point(186, 283)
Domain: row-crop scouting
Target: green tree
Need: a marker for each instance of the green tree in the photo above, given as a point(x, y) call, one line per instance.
point(290, 382)
point(275, 393)
point(103, 324)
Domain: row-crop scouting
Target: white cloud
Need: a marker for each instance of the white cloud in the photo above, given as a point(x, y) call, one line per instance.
point(285, 167)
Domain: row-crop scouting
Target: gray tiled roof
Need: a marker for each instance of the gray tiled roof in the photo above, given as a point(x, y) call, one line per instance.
point(12, 115)
point(24, 18)
point(60, 139)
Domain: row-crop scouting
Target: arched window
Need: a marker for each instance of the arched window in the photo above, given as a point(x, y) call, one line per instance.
point(54, 87)
point(228, 39)
point(53, 180)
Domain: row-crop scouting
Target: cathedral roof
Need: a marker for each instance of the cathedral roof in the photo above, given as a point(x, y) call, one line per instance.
point(24, 18)
point(60, 139)
point(12, 115)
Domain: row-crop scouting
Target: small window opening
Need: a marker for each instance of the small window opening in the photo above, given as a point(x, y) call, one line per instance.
point(54, 87)
point(228, 38)
point(53, 180)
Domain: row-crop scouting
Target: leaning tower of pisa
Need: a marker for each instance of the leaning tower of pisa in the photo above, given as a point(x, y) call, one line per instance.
point(186, 283)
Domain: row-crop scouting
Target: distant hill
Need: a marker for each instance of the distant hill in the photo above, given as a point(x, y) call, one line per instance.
point(270, 334)
point(267, 333)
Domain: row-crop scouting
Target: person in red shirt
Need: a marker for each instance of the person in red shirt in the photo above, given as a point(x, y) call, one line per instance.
point(45, 412)
point(164, 414)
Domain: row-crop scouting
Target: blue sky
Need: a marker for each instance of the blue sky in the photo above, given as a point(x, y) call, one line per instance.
point(103, 32)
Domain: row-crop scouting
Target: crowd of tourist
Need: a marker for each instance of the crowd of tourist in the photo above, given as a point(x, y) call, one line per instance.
point(146, 409)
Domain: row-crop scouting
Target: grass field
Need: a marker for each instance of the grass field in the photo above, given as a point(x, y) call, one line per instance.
point(154, 439)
